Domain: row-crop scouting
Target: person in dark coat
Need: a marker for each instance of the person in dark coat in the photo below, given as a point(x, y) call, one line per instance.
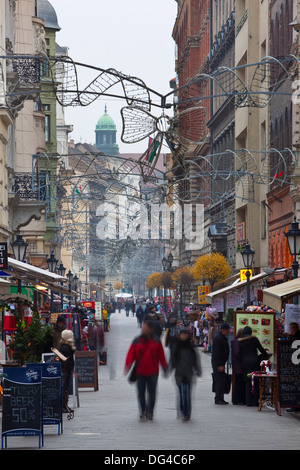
point(249, 345)
point(67, 349)
point(186, 362)
point(140, 315)
point(220, 355)
point(238, 397)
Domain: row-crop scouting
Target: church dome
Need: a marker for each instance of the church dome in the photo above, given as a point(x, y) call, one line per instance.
point(47, 13)
point(105, 123)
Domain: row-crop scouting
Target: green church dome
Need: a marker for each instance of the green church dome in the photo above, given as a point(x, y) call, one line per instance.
point(106, 123)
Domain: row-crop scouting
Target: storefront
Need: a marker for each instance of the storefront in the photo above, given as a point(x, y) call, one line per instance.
point(278, 296)
point(234, 296)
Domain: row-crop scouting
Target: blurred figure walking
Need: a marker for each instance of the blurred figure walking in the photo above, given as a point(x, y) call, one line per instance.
point(146, 351)
point(186, 362)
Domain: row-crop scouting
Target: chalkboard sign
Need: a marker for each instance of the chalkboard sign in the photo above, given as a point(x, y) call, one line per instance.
point(87, 369)
point(22, 402)
point(52, 394)
point(288, 374)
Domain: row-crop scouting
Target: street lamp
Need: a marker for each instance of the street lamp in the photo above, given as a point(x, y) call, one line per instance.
point(164, 263)
point(70, 278)
point(170, 261)
point(248, 256)
point(61, 272)
point(293, 238)
point(52, 263)
point(19, 247)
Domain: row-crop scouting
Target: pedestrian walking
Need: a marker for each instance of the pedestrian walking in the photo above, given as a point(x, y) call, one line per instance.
point(197, 330)
point(146, 352)
point(140, 315)
point(127, 308)
point(220, 355)
point(249, 345)
point(185, 361)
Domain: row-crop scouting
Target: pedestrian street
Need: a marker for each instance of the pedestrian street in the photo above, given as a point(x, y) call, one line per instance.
point(108, 419)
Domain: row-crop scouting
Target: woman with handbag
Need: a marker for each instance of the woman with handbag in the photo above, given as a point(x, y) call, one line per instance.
point(146, 353)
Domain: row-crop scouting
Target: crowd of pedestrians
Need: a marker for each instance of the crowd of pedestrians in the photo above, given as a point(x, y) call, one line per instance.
point(182, 340)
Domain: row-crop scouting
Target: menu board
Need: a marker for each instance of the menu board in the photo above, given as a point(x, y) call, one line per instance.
point(262, 325)
point(288, 373)
point(52, 394)
point(87, 369)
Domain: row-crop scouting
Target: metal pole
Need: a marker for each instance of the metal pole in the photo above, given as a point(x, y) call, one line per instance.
point(248, 274)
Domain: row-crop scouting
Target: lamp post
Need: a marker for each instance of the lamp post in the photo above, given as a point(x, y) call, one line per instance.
point(19, 247)
point(293, 238)
point(110, 288)
point(61, 271)
point(248, 256)
point(75, 284)
point(70, 278)
point(52, 263)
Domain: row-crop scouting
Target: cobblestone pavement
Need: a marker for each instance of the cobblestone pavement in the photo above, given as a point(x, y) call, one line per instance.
point(108, 419)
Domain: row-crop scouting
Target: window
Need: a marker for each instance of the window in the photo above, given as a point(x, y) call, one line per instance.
point(47, 122)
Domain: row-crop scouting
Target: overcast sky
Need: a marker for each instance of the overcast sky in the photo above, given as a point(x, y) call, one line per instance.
point(132, 36)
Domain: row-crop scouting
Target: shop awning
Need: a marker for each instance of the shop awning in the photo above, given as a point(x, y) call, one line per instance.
point(34, 275)
point(273, 296)
point(236, 285)
point(32, 271)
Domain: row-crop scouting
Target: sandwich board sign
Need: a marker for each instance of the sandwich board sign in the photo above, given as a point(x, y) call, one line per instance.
point(22, 403)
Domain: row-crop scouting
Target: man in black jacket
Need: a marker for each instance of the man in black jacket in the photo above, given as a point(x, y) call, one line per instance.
point(220, 354)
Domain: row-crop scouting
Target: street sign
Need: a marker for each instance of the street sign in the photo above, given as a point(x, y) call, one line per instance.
point(243, 274)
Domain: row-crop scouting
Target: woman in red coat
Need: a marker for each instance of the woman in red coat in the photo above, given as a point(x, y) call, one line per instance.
point(147, 352)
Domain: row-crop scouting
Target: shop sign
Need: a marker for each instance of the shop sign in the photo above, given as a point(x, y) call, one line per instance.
point(88, 304)
point(243, 274)
point(202, 293)
point(3, 256)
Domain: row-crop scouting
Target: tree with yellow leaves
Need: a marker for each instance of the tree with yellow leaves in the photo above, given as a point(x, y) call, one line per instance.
point(118, 285)
point(154, 281)
point(211, 268)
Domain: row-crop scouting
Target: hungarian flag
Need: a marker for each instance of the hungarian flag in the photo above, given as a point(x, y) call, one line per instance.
point(152, 149)
point(79, 191)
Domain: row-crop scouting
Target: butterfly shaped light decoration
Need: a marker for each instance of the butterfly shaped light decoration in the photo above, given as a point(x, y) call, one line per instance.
point(186, 127)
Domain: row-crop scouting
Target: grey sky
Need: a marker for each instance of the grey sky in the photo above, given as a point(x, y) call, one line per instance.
point(132, 36)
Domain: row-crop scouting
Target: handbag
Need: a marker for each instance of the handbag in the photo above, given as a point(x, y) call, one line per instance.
point(227, 383)
point(132, 374)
